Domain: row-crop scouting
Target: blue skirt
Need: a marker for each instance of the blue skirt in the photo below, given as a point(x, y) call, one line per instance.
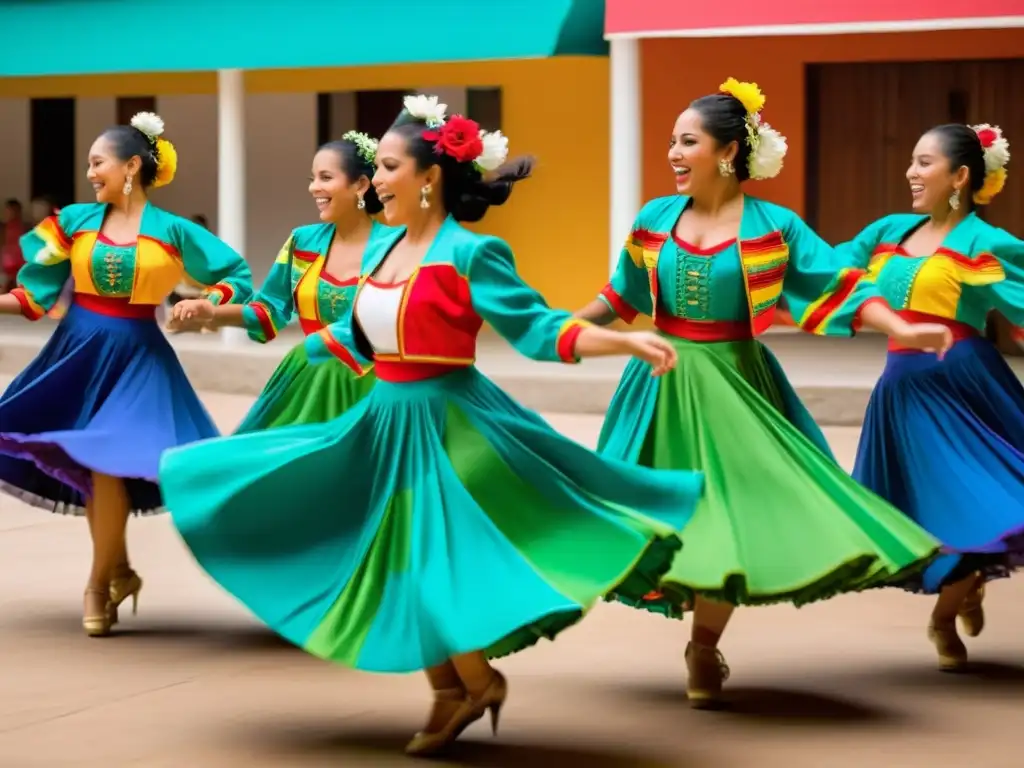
point(106, 394)
point(943, 441)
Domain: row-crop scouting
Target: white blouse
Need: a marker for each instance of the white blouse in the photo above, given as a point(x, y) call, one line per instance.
point(376, 310)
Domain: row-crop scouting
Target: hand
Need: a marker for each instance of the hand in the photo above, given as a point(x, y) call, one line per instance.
point(200, 310)
point(653, 349)
point(930, 337)
point(187, 326)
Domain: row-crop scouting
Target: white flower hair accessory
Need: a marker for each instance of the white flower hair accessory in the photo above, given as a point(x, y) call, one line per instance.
point(426, 108)
point(495, 151)
point(150, 124)
point(767, 149)
point(366, 147)
point(995, 146)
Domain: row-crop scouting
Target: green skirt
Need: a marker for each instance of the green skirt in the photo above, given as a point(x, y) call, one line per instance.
point(300, 393)
point(779, 521)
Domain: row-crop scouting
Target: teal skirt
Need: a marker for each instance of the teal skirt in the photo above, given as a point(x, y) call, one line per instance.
point(301, 393)
point(434, 518)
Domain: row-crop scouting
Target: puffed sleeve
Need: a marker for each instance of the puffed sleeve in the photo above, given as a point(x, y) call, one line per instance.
point(1007, 295)
point(823, 286)
point(517, 311)
point(47, 252)
point(628, 293)
point(274, 303)
point(213, 263)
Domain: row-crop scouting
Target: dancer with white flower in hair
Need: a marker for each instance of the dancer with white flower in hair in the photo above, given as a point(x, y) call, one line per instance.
point(82, 428)
point(314, 278)
point(943, 440)
point(452, 524)
point(780, 521)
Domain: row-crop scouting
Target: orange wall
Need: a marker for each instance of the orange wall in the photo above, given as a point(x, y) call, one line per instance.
point(676, 71)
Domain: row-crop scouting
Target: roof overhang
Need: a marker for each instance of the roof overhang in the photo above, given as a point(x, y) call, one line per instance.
point(91, 37)
point(631, 19)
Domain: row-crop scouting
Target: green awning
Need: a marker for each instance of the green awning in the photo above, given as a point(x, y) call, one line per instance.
point(89, 37)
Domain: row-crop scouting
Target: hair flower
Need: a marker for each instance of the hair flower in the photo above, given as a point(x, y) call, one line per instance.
point(458, 138)
point(150, 124)
point(748, 94)
point(166, 163)
point(426, 108)
point(366, 147)
point(495, 151)
point(997, 155)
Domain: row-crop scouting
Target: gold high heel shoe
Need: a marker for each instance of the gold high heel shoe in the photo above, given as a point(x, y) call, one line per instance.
point(707, 671)
point(469, 711)
point(129, 584)
point(97, 625)
point(972, 613)
point(427, 743)
point(951, 649)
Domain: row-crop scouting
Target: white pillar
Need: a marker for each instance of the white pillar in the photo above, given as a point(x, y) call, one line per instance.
point(231, 169)
point(626, 143)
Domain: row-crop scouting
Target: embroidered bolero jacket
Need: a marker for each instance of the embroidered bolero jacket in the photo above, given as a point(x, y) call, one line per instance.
point(465, 279)
point(778, 256)
point(298, 285)
point(168, 248)
point(978, 268)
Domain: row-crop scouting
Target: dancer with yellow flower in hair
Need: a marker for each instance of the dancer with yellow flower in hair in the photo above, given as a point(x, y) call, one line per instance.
point(944, 440)
point(82, 428)
point(780, 521)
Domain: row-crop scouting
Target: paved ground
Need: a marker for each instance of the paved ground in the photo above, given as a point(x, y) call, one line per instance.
point(194, 681)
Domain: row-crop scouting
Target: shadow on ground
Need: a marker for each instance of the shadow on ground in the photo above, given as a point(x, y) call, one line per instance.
point(356, 739)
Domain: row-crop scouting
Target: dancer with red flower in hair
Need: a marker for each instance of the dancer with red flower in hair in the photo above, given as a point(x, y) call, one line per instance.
point(943, 440)
point(443, 523)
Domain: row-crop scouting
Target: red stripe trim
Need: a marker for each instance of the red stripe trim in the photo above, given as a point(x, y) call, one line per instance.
point(329, 278)
point(647, 239)
point(980, 262)
point(566, 346)
point(29, 311)
point(703, 330)
point(399, 372)
point(308, 256)
point(694, 250)
point(225, 290)
point(65, 241)
point(857, 321)
point(338, 350)
point(626, 312)
point(847, 282)
point(767, 277)
point(765, 243)
point(115, 307)
point(309, 327)
point(266, 324)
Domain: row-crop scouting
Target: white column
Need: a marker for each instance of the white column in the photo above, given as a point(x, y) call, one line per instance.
point(231, 169)
point(626, 143)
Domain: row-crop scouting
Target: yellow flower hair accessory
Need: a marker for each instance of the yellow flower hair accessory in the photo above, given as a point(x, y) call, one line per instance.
point(996, 150)
point(749, 94)
point(166, 163)
point(767, 146)
point(994, 183)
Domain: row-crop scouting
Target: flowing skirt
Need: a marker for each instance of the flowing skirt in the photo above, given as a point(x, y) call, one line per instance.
point(944, 442)
point(780, 521)
point(433, 518)
point(106, 394)
point(300, 393)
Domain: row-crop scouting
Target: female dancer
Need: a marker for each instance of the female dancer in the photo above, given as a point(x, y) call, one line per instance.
point(315, 276)
point(779, 520)
point(944, 442)
point(440, 522)
point(85, 423)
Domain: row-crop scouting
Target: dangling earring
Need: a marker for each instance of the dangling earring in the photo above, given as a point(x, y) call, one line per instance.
point(954, 200)
point(725, 167)
point(424, 191)
point(361, 204)
point(127, 188)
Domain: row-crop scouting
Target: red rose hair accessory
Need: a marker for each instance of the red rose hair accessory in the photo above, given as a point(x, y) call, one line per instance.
point(997, 155)
point(459, 138)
